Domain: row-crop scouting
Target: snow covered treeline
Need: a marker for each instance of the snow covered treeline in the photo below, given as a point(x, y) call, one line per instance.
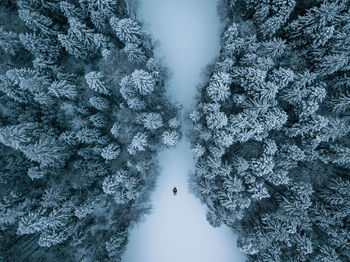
point(271, 130)
point(82, 113)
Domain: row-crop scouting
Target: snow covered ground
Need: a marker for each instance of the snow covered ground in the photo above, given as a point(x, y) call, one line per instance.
point(177, 230)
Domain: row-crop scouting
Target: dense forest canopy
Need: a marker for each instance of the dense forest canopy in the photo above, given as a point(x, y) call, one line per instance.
point(82, 113)
point(271, 129)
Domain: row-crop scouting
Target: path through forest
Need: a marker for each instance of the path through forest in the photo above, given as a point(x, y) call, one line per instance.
point(177, 230)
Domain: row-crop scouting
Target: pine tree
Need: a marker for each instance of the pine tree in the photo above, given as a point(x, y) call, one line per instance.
point(9, 42)
point(51, 237)
point(138, 143)
point(174, 123)
point(340, 103)
point(99, 102)
point(30, 224)
point(37, 22)
point(110, 152)
point(198, 150)
point(19, 136)
point(121, 186)
point(71, 11)
point(48, 152)
point(134, 53)
point(216, 120)
point(126, 30)
point(143, 82)
point(219, 87)
point(63, 89)
point(81, 41)
point(99, 120)
point(12, 91)
point(170, 138)
point(95, 82)
point(152, 121)
point(88, 135)
point(40, 46)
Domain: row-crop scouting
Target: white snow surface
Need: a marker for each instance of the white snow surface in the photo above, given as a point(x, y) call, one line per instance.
point(177, 230)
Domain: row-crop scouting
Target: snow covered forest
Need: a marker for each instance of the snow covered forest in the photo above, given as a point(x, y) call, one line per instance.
point(84, 112)
point(271, 130)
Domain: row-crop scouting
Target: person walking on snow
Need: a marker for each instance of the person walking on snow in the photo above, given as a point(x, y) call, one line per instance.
point(174, 191)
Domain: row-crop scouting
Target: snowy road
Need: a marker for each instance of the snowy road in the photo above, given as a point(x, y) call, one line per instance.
point(177, 230)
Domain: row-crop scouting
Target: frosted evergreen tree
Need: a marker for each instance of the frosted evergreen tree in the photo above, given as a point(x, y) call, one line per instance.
point(170, 138)
point(216, 120)
point(71, 11)
point(37, 22)
point(48, 152)
point(95, 82)
point(174, 123)
point(152, 121)
point(110, 152)
point(9, 42)
point(51, 237)
point(198, 150)
point(138, 143)
point(63, 89)
point(99, 120)
point(126, 30)
point(121, 186)
point(219, 87)
point(81, 41)
point(143, 82)
point(340, 103)
point(42, 47)
point(99, 102)
point(134, 53)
